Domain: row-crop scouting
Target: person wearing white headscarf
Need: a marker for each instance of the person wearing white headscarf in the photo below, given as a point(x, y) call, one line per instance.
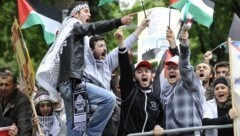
point(50, 122)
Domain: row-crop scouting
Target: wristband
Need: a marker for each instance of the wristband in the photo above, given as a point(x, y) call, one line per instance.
point(184, 43)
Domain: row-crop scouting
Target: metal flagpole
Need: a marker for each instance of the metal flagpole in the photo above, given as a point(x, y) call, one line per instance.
point(219, 46)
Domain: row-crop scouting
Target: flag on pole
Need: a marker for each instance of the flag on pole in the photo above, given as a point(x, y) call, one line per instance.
point(24, 63)
point(234, 32)
point(23, 58)
point(102, 2)
point(34, 12)
point(234, 57)
point(201, 10)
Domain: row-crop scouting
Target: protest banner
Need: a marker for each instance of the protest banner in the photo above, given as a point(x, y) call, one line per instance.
point(24, 63)
point(23, 58)
point(152, 42)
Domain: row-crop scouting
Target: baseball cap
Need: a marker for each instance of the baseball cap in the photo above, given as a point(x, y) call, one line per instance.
point(174, 60)
point(143, 63)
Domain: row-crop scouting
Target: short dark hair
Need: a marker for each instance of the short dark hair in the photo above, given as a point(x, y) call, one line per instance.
point(114, 81)
point(74, 4)
point(6, 71)
point(221, 64)
point(94, 39)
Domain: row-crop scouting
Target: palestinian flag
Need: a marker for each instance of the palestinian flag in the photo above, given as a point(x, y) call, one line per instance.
point(34, 12)
point(200, 10)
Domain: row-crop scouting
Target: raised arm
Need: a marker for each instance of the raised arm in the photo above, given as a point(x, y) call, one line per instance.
point(186, 70)
point(131, 39)
point(128, 42)
point(126, 73)
point(170, 36)
point(142, 26)
point(101, 26)
point(120, 38)
point(172, 42)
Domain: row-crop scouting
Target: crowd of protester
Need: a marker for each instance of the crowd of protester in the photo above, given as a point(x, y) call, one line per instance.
point(96, 100)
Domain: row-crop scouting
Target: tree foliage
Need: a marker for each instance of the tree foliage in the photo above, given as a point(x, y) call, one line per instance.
point(202, 38)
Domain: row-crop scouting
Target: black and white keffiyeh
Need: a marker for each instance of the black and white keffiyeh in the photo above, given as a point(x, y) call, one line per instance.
point(78, 8)
point(79, 105)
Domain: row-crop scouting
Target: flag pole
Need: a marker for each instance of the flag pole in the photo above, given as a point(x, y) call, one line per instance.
point(169, 19)
point(143, 6)
point(233, 94)
point(220, 45)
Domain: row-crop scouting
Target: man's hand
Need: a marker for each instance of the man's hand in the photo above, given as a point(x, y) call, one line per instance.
point(144, 23)
point(13, 130)
point(126, 20)
point(158, 130)
point(171, 38)
point(119, 37)
point(35, 121)
point(207, 56)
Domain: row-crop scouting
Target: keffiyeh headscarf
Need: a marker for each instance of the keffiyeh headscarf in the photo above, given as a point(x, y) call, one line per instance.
point(46, 121)
point(77, 6)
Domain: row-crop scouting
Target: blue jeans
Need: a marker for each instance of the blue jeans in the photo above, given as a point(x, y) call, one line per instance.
point(105, 101)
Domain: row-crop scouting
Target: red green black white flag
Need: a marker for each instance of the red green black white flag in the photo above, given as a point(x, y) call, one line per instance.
point(35, 12)
point(201, 10)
